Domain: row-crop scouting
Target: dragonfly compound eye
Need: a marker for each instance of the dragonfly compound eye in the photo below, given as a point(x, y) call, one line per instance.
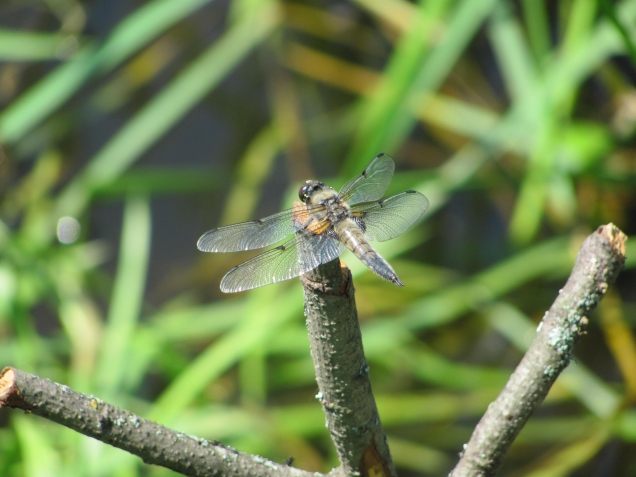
point(304, 190)
point(308, 188)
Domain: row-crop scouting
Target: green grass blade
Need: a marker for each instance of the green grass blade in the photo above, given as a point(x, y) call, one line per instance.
point(387, 102)
point(268, 310)
point(50, 93)
point(128, 293)
point(159, 180)
point(253, 168)
point(39, 455)
point(166, 109)
point(580, 20)
point(389, 114)
point(18, 45)
point(514, 58)
point(134, 32)
point(454, 301)
point(538, 26)
point(609, 10)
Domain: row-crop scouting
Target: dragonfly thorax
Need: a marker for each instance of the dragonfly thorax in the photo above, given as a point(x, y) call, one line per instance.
point(332, 207)
point(335, 210)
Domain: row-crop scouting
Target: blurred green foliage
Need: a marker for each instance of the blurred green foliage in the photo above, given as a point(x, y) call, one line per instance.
point(129, 128)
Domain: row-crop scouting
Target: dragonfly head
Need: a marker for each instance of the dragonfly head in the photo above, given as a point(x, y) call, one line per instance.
point(308, 189)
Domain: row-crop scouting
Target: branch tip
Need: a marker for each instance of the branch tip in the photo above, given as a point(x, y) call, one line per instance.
point(614, 236)
point(598, 262)
point(9, 393)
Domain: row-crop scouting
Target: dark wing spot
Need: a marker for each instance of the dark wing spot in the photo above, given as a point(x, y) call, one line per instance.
point(280, 247)
point(258, 221)
point(381, 203)
point(410, 191)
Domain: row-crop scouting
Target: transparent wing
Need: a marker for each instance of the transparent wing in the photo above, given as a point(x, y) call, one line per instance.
point(250, 235)
point(371, 184)
point(389, 218)
point(295, 257)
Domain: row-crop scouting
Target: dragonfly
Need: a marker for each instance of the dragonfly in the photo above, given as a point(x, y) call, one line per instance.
point(324, 225)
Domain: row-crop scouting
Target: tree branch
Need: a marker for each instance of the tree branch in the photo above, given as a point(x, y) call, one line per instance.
point(598, 263)
point(152, 442)
point(343, 381)
point(342, 372)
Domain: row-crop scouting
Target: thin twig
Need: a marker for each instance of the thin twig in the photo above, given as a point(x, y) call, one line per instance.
point(342, 372)
point(598, 263)
point(152, 442)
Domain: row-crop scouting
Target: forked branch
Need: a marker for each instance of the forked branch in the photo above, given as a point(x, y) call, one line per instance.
point(345, 388)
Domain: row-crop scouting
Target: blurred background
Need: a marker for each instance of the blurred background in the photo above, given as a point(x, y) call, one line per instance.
point(129, 128)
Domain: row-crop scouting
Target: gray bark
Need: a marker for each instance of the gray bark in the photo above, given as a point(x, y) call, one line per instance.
point(345, 391)
point(600, 259)
point(342, 372)
point(152, 442)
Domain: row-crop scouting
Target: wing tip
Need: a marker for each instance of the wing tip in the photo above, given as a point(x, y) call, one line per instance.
point(202, 243)
point(235, 287)
point(425, 202)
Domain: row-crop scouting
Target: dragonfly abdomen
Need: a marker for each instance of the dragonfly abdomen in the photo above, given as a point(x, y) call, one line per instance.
point(353, 238)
